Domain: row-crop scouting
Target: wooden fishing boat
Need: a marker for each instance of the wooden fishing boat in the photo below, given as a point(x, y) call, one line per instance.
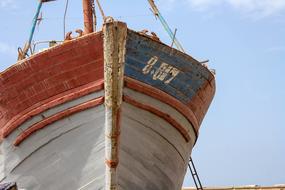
point(113, 109)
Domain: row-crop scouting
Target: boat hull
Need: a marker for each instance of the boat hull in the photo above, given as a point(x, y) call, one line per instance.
point(109, 110)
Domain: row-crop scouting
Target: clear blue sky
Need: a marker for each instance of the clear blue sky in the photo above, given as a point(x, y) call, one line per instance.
point(242, 139)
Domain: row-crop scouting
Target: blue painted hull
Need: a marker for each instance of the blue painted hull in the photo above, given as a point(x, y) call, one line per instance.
point(170, 71)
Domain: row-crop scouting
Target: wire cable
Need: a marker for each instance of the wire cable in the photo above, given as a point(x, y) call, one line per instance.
point(64, 17)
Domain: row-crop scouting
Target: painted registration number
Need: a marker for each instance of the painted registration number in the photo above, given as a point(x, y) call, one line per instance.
point(165, 72)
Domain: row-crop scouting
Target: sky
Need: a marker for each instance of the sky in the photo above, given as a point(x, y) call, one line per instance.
point(242, 138)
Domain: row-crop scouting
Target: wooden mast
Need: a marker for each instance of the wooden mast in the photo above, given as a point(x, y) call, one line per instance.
point(23, 52)
point(88, 16)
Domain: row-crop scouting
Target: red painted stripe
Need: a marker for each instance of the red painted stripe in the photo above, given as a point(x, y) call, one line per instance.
point(160, 114)
point(40, 125)
point(165, 98)
point(49, 73)
point(49, 103)
point(112, 163)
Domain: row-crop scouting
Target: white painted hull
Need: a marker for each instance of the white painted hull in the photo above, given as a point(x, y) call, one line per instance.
point(67, 154)
point(70, 153)
point(153, 154)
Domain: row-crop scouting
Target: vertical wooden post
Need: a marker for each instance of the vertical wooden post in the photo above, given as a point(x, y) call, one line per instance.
point(88, 16)
point(115, 34)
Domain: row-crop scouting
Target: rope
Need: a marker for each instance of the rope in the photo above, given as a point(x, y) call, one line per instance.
point(101, 10)
point(94, 15)
point(165, 25)
point(64, 17)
